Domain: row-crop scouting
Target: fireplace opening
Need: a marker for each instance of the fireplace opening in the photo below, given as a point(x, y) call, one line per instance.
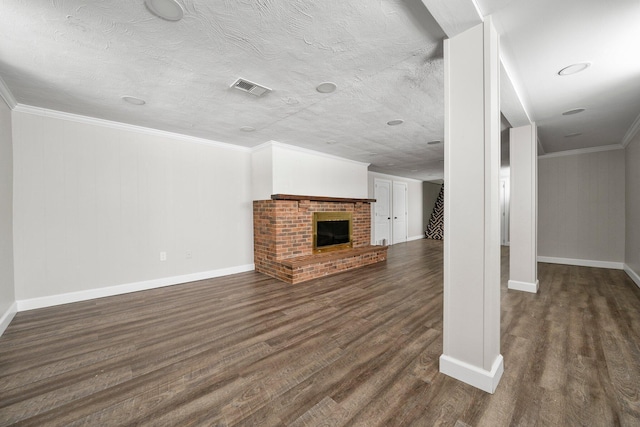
point(331, 231)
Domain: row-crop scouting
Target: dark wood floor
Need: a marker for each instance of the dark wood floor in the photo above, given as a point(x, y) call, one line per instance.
point(359, 348)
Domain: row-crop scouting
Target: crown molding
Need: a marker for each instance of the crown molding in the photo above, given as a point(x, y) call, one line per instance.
point(582, 151)
point(631, 133)
point(6, 94)
point(400, 178)
point(44, 112)
point(305, 151)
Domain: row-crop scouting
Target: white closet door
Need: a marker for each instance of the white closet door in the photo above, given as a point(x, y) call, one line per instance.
point(399, 212)
point(382, 211)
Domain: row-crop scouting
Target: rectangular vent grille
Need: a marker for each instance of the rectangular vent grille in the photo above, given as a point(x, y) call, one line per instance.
point(251, 87)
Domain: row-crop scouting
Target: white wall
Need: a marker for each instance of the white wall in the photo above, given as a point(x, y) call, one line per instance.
point(415, 203)
point(581, 207)
point(262, 172)
point(285, 169)
point(632, 205)
point(305, 172)
point(95, 205)
point(7, 295)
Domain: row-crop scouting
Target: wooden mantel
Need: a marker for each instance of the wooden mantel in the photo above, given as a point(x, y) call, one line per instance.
point(320, 198)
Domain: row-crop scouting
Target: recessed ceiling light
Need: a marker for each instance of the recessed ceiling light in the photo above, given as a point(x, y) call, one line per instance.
point(247, 128)
point(414, 170)
point(331, 142)
point(326, 87)
point(133, 100)
point(165, 9)
point(391, 164)
point(436, 142)
point(571, 135)
point(373, 154)
point(573, 111)
point(574, 68)
point(395, 122)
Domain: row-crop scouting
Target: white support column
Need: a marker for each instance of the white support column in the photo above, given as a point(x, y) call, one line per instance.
point(523, 222)
point(472, 218)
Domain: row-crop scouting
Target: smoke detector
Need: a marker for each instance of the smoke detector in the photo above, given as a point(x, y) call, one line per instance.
point(251, 87)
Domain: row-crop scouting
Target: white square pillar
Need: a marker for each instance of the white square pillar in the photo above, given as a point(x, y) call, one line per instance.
point(523, 221)
point(471, 351)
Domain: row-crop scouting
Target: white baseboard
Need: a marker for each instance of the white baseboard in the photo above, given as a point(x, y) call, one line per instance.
point(410, 239)
point(7, 317)
point(524, 286)
point(582, 262)
point(472, 375)
point(634, 276)
point(48, 301)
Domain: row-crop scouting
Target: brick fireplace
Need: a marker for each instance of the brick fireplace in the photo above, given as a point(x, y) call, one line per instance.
point(283, 237)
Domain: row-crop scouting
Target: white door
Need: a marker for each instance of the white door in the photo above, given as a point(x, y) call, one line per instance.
point(399, 211)
point(382, 211)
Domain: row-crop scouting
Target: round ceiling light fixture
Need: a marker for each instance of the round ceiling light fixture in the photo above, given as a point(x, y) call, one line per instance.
point(331, 142)
point(326, 87)
point(434, 142)
point(247, 128)
point(165, 9)
point(571, 135)
point(574, 68)
point(395, 122)
point(573, 111)
point(133, 100)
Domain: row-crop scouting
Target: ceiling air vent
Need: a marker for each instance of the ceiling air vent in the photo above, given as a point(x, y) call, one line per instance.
point(251, 87)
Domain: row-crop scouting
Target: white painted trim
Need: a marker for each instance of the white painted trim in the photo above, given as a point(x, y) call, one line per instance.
point(412, 238)
point(6, 94)
point(7, 317)
point(524, 286)
point(631, 133)
point(582, 262)
point(306, 151)
point(398, 178)
point(582, 151)
point(634, 276)
point(51, 300)
point(472, 375)
point(37, 111)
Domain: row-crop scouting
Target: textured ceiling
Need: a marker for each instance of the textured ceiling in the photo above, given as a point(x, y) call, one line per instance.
point(385, 57)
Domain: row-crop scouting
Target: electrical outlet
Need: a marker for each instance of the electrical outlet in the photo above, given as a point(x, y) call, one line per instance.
point(163, 256)
point(189, 255)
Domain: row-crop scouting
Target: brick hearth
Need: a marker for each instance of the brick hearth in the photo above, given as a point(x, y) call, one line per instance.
point(283, 237)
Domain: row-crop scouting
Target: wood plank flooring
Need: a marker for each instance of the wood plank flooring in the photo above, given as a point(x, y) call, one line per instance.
point(357, 349)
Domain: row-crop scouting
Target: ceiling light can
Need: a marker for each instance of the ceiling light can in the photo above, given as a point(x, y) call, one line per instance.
point(573, 111)
point(395, 122)
point(165, 9)
point(133, 100)
point(326, 87)
point(574, 68)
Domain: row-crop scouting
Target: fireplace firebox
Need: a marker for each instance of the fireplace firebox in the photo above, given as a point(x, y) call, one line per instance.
point(332, 231)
